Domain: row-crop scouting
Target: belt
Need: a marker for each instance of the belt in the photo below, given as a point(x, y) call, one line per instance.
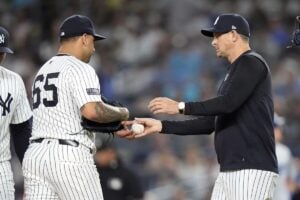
point(72, 143)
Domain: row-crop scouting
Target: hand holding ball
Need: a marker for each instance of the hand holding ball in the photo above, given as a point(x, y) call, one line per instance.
point(137, 128)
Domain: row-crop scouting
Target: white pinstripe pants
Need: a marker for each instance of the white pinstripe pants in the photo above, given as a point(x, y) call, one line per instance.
point(55, 171)
point(248, 184)
point(7, 190)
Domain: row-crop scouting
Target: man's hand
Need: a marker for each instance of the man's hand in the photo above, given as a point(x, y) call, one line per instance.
point(163, 105)
point(151, 126)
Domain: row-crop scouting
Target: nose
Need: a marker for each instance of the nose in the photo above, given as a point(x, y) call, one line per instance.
point(213, 42)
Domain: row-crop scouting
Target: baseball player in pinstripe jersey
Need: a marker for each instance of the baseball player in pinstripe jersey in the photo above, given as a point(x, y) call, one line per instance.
point(241, 116)
point(59, 161)
point(15, 118)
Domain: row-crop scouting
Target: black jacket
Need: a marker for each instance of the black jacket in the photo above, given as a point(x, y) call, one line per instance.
point(241, 116)
point(120, 183)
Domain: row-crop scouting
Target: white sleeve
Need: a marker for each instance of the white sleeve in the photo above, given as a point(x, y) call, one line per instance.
point(85, 85)
point(23, 111)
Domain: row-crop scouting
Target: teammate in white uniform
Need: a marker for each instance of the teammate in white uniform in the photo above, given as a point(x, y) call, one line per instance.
point(286, 167)
point(15, 118)
point(59, 161)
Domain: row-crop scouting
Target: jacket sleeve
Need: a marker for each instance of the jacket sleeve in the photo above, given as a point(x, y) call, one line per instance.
point(197, 126)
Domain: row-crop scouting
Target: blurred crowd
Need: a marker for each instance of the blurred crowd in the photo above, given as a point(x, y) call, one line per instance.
point(154, 48)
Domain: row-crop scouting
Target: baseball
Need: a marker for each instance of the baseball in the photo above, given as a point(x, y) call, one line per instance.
point(137, 128)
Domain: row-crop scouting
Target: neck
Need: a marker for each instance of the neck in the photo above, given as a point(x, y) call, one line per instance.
point(69, 50)
point(238, 51)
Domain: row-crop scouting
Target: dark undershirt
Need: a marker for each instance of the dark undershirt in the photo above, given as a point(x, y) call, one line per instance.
point(20, 135)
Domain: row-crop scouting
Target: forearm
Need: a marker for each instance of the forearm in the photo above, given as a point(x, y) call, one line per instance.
point(197, 126)
point(107, 113)
point(104, 113)
point(20, 135)
point(215, 106)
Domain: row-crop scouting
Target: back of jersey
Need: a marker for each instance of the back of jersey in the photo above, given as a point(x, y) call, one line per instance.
point(61, 87)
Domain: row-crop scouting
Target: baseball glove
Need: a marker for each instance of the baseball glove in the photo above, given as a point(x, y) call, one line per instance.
point(109, 127)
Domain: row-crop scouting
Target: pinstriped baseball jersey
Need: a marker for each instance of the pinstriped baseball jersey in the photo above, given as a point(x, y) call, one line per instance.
point(53, 170)
point(7, 190)
point(14, 108)
point(61, 87)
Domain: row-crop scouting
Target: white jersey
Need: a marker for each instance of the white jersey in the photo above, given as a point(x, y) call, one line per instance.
point(62, 86)
point(14, 108)
point(286, 170)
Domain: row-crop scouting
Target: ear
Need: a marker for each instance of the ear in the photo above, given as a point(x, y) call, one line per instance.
point(235, 36)
point(84, 39)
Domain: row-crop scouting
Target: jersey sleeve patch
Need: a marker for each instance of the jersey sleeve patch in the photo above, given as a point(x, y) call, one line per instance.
point(93, 91)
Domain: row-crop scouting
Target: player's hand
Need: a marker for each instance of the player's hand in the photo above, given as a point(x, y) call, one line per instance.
point(126, 132)
point(151, 126)
point(163, 105)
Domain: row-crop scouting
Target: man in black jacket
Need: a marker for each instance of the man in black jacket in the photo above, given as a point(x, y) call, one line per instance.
point(241, 116)
point(117, 180)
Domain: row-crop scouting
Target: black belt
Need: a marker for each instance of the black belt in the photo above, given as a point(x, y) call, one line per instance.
point(72, 143)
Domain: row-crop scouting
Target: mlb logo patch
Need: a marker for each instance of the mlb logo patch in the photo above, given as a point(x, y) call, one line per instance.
point(93, 91)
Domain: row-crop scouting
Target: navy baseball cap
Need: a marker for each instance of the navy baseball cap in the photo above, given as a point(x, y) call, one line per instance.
point(227, 22)
point(77, 25)
point(4, 37)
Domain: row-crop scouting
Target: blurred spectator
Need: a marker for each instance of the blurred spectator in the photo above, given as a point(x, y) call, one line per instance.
point(287, 172)
point(117, 180)
point(194, 174)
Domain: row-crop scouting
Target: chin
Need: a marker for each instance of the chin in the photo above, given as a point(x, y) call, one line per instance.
point(87, 60)
point(220, 55)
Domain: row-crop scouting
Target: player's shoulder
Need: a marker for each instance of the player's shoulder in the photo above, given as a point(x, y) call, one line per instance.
point(253, 60)
point(79, 66)
point(66, 64)
point(8, 74)
point(252, 56)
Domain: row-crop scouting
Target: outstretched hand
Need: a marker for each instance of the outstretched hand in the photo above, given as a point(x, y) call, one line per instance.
point(126, 132)
point(151, 126)
point(163, 105)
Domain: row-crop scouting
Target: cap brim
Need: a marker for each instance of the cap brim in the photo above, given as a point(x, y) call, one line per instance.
point(99, 37)
point(208, 32)
point(5, 50)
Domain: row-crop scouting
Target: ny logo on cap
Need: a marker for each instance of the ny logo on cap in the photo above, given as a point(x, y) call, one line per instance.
point(2, 38)
point(216, 21)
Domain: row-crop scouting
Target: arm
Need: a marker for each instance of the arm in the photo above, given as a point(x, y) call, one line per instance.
point(248, 73)
point(104, 113)
point(197, 126)
point(20, 135)
point(21, 122)
point(86, 94)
